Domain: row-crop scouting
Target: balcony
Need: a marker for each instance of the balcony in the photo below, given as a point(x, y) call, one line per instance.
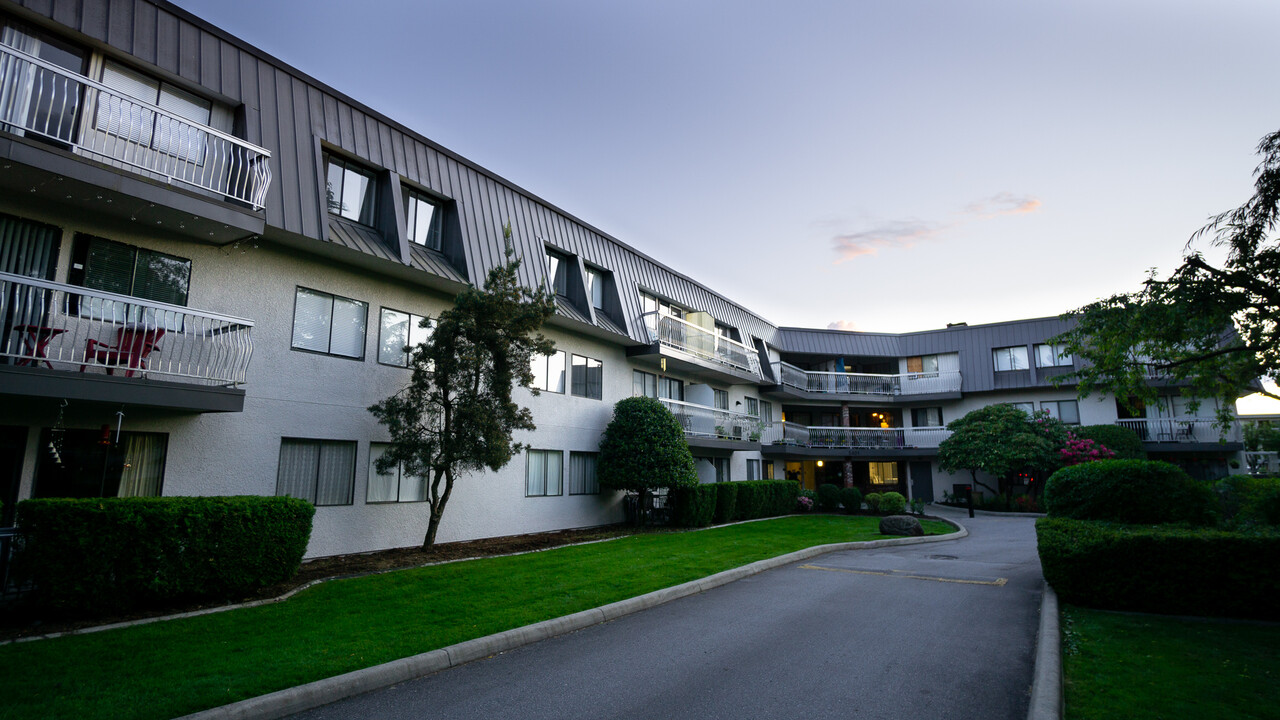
point(712, 427)
point(907, 441)
point(65, 341)
point(1184, 433)
point(73, 116)
point(696, 351)
point(818, 385)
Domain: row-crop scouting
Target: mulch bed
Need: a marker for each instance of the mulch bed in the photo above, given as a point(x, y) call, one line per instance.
point(18, 620)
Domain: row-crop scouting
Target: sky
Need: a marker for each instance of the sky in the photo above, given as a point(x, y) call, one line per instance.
point(876, 166)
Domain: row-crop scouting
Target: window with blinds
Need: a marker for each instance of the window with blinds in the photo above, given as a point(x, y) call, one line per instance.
point(319, 471)
point(179, 137)
point(114, 267)
point(329, 324)
point(28, 248)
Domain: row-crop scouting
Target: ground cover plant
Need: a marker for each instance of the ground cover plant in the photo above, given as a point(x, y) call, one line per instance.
point(1142, 667)
point(176, 667)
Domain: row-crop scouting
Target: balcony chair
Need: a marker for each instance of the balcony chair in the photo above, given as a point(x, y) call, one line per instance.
point(133, 346)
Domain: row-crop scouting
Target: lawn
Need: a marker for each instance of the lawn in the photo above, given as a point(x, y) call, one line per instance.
point(1148, 667)
point(167, 669)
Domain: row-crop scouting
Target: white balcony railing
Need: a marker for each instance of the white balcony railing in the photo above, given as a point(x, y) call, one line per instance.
point(1187, 430)
point(40, 98)
point(700, 342)
point(702, 421)
point(66, 327)
point(789, 433)
point(838, 383)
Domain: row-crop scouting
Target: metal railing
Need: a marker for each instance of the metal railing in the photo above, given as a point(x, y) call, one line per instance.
point(920, 383)
point(1262, 462)
point(66, 327)
point(1191, 430)
point(702, 421)
point(40, 98)
point(789, 433)
point(700, 342)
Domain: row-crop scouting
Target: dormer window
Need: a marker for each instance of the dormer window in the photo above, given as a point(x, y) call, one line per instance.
point(557, 274)
point(350, 190)
point(423, 219)
point(595, 288)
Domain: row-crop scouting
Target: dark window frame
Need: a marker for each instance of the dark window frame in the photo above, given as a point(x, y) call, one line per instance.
point(294, 326)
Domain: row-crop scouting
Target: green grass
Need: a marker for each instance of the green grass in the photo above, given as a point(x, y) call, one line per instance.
point(1147, 667)
point(172, 668)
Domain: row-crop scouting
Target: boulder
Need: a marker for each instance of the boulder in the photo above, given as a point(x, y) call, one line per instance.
point(900, 525)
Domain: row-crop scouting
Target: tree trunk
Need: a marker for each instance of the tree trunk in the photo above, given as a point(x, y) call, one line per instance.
point(437, 510)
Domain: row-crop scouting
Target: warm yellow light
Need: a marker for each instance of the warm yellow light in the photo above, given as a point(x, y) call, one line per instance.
point(819, 463)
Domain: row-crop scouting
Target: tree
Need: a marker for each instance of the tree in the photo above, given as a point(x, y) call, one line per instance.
point(1211, 328)
point(456, 415)
point(643, 449)
point(1002, 440)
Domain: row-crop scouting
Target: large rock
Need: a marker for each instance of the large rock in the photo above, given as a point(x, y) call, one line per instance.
point(900, 525)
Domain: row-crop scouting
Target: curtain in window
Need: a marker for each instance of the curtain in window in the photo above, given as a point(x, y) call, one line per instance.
point(412, 488)
point(143, 465)
point(582, 474)
point(335, 476)
point(382, 488)
point(536, 483)
point(299, 462)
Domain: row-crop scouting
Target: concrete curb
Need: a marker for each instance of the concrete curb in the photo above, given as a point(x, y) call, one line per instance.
point(1046, 686)
point(322, 692)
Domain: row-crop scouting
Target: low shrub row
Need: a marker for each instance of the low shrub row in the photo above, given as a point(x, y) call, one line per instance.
point(886, 503)
point(1129, 491)
point(1162, 569)
point(112, 554)
point(1249, 501)
point(700, 505)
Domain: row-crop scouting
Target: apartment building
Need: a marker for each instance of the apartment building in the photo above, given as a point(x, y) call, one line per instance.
point(210, 265)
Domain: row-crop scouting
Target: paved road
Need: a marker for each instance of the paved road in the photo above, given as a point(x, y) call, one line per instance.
point(934, 631)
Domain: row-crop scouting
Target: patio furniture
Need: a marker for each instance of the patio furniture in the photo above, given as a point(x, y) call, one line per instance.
point(35, 338)
point(133, 346)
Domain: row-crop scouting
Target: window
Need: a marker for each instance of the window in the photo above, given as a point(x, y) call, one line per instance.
point(582, 474)
point(329, 324)
point(94, 463)
point(595, 287)
point(722, 469)
point(398, 333)
point(922, 364)
point(1010, 358)
point(557, 274)
point(753, 469)
point(542, 475)
point(350, 190)
point(671, 389)
point(1068, 411)
point(926, 417)
point(1048, 355)
point(320, 471)
point(587, 377)
point(1182, 407)
point(38, 98)
point(115, 267)
point(422, 220)
point(768, 469)
point(884, 473)
point(766, 412)
point(548, 372)
point(651, 304)
point(753, 407)
point(138, 124)
point(721, 399)
point(1025, 407)
point(395, 485)
point(644, 384)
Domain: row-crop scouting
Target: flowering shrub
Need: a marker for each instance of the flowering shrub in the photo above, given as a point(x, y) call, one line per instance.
point(804, 504)
point(1082, 450)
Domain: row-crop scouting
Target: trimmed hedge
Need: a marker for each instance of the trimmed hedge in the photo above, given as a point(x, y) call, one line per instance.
point(892, 503)
point(1161, 569)
point(695, 506)
point(726, 502)
point(1246, 501)
point(1129, 491)
point(732, 501)
point(851, 499)
point(110, 554)
point(1122, 441)
point(828, 496)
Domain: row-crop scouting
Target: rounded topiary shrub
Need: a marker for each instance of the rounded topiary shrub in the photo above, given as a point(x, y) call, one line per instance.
point(851, 499)
point(892, 503)
point(828, 496)
point(644, 449)
point(1129, 491)
point(873, 501)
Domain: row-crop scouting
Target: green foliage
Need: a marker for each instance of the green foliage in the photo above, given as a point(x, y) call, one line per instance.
point(892, 503)
point(1209, 328)
point(851, 499)
point(726, 502)
point(873, 501)
point(1129, 491)
point(644, 449)
point(1247, 501)
point(1122, 441)
point(1261, 436)
point(828, 497)
point(750, 500)
point(90, 556)
point(695, 505)
point(1162, 569)
point(1002, 440)
point(457, 416)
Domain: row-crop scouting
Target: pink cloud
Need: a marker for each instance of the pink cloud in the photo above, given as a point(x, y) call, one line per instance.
point(869, 242)
point(1003, 204)
point(842, 325)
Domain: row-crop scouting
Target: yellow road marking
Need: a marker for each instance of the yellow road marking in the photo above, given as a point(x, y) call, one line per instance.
point(894, 573)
